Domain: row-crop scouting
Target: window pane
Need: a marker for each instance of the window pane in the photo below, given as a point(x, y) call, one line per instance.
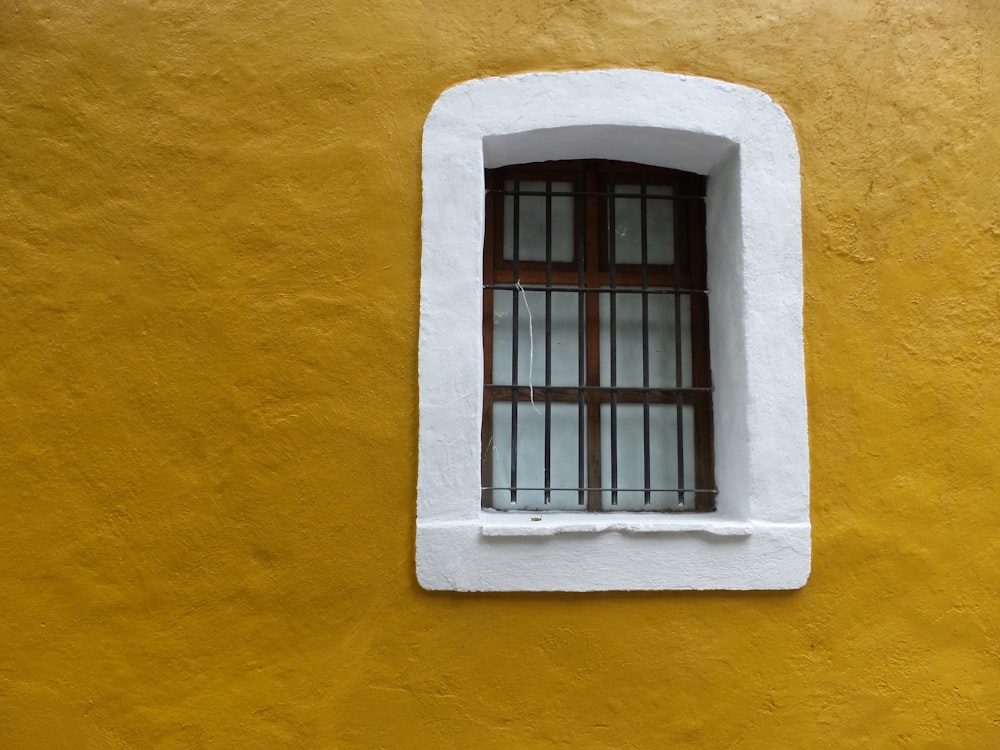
point(531, 338)
point(659, 226)
point(531, 224)
point(662, 453)
point(566, 431)
point(628, 343)
point(652, 341)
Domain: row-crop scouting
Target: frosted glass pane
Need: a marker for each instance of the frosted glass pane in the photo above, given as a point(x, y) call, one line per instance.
point(662, 455)
point(531, 224)
point(628, 344)
point(531, 455)
point(659, 226)
point(531, 338)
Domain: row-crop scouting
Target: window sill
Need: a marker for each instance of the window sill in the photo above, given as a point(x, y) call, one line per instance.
point(524, 523)
point(492, 551)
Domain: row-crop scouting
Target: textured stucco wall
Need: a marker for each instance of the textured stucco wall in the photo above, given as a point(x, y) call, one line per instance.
point(209, 217)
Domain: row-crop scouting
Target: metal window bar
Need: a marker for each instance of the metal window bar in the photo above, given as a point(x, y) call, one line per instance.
point(590, 290)
point(605, 388)
point(596, 194)
point(644, 256)
point(613, 337)
point(679, 366)
point(548, 339)
point(515, 335)
point(661, 490)
point(592, 239)
point(581, 355)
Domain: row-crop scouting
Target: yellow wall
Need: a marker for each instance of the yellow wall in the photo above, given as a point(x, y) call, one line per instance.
point(209, 216)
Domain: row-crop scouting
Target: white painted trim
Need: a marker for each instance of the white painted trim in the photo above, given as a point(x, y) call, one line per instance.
point(760, 535)
point(499, 523)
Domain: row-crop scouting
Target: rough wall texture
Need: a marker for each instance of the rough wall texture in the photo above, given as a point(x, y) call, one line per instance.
point(208, 321)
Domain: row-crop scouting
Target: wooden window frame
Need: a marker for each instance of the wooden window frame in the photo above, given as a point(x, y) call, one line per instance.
point(593, 183)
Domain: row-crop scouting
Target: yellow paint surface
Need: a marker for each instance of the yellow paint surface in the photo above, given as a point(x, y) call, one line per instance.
point(209, 216)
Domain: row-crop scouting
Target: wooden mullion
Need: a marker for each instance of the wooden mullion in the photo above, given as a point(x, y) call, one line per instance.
point(568, 394)
point(494, 218)
point(560, 277)
point(530, 276)
point(701, 365)
point(579, 250)
point(631, 276)
point(680, 281)
point(592, 249)
point(535, 269)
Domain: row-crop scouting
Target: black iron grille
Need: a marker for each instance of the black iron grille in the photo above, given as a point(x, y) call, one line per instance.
point(598, 391)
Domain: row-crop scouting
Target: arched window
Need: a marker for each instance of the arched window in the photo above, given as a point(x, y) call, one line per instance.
point(740, 141)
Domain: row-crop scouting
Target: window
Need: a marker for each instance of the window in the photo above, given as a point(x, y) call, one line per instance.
point(758, 537)
point(602, 400)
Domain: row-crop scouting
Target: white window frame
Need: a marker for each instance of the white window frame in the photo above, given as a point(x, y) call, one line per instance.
point(760, 535)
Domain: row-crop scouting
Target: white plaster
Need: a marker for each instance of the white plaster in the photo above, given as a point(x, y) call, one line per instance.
point(759, 538)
